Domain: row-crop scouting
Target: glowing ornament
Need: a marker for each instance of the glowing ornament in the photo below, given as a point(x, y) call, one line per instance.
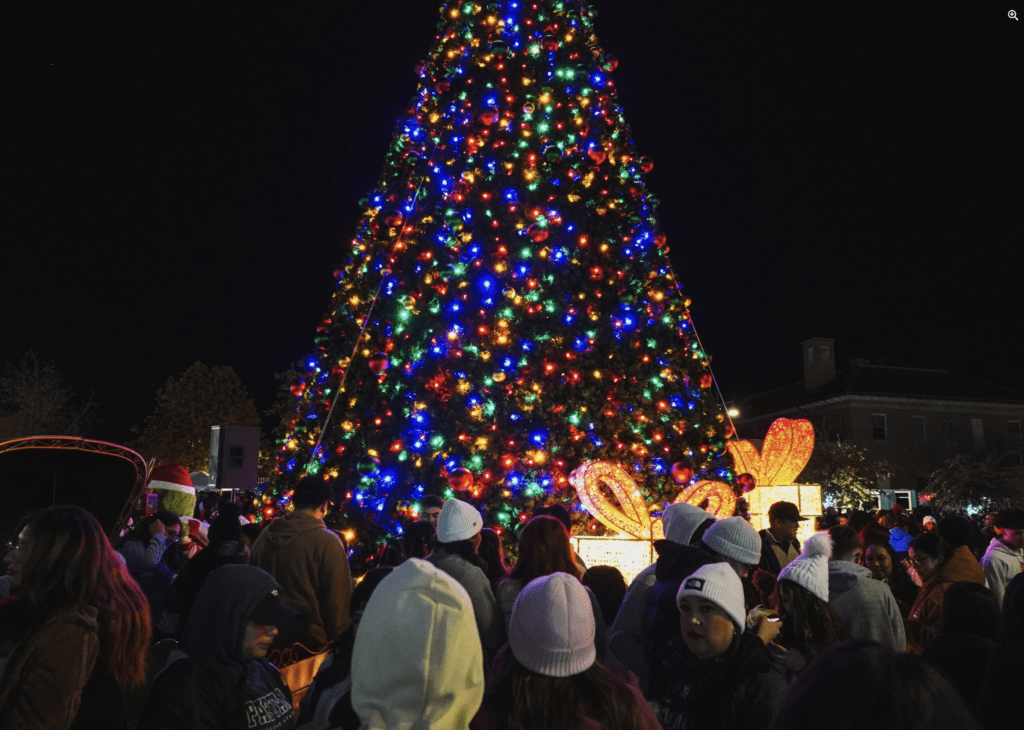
point(706, 380)
point(646, 164)
point(681, 472)
point(610, 62)
point(508, 292)
point(379, 363)
point(409, 303)
point(746, 481)
point(489, 116)
point(460, 479)
point(598, 155)
point(498, 377)
point(538, 234)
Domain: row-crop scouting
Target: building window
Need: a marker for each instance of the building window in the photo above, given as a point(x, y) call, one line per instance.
point(919, 429)
point(826, 353)
point(978, 434)
point(828, 423)
point(810, 354)
point(948, 428)
point(1013, 432)
point(878, 430)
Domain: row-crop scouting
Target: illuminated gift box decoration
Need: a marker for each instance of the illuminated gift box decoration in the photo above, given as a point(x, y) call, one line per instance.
point(633, 549)
point(786, 450)
point(628, 554)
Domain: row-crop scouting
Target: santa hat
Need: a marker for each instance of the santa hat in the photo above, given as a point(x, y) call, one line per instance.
point(810, 568)
point(173, 485)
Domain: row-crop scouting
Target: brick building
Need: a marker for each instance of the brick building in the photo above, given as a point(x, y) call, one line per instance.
point(913, 418)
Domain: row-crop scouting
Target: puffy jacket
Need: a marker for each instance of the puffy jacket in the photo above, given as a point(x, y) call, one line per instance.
point(925, 621)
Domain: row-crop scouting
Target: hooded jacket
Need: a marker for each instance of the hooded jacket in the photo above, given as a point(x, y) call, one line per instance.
point(310, 563)
point(417, 663)
point(1001, 564)
point(925, 621)
point(866, 606)
point(485, 606)
point(628, 640)
point(214, 688)
point(675, 563)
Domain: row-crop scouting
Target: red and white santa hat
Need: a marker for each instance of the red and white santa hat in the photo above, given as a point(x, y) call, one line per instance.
point(171, 477)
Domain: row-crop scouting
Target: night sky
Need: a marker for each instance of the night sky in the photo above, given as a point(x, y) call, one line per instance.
point(180, 179)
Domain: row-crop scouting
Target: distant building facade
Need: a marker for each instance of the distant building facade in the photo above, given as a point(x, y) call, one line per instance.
point(913, 418)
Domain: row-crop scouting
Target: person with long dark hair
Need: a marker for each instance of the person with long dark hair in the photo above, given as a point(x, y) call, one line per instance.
point(491, 552)
point(78, 634)
point(548, 676)
point(544, 549)
point(809, 624)
point(885, 565)
point(939, 565)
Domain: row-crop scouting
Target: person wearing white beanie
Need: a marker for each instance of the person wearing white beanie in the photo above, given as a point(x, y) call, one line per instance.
point(551, 655)
point(809, 624)
point(458, 536)
point(717, 675)
point(417, 661)
point(736, 542)
point(733, 541)
point(629, 639)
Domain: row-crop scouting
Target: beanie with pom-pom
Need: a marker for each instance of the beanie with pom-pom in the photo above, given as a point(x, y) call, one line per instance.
point(810, 568)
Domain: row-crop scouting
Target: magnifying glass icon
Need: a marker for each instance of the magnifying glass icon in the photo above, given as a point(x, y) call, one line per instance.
point(1012, 14)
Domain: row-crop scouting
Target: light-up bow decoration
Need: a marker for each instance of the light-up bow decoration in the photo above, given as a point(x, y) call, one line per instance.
point(633, 518)
point(787, 449)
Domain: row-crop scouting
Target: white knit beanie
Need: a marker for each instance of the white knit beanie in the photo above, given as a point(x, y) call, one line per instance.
point(735, 538)
point(417, 660)
point(680, 520)
point(458, 521)
point(552, 627)
point(810, 568)
point(718, 583)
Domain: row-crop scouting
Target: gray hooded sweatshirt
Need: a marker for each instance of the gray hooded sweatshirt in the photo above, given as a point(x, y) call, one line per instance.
point(865, 605)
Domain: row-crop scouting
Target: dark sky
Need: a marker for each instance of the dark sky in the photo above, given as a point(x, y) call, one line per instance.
point(179, 179)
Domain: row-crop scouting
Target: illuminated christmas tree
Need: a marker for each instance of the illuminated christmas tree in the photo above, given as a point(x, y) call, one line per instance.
point(507, 309)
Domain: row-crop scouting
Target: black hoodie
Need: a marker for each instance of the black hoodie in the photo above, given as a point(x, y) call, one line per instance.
point(214, 688)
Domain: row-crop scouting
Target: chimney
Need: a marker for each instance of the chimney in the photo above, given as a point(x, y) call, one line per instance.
point(819, 362)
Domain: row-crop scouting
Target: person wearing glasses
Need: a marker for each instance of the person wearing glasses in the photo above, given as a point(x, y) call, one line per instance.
point(146, 551)
point(75, 639)
point(1004, 557)
point(939, 565)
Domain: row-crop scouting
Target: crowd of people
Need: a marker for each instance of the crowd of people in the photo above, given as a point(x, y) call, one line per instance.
point(879, 619)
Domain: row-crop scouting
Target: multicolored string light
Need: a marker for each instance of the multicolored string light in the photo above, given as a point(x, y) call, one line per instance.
point(527, 318)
